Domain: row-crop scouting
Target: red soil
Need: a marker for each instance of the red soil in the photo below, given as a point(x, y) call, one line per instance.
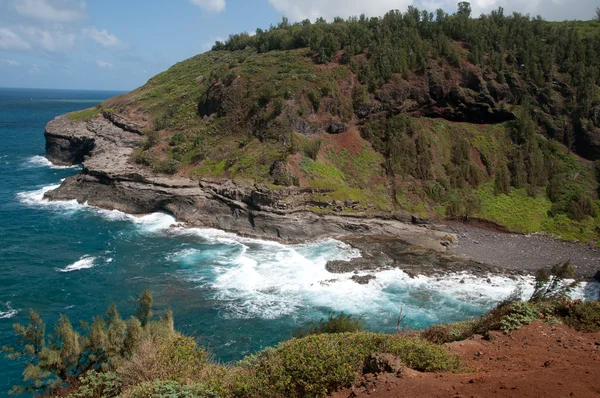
point(539, 360)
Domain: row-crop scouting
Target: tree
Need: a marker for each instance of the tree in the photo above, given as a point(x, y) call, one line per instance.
point(464, 9)
point(597, 16)
point(60, 359)
point(554, 283)
point(144, 309)
point(502, 182)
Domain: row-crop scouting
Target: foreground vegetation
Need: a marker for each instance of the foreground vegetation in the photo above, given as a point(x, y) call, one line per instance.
point(144, 356)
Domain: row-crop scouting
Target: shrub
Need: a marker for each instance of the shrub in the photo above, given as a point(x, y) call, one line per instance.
point(267, 92)
point(520, 313)
point(315, 100)
point(581, 315)
point(169, 389)
point(152, 139)
point(553, 283)
point(447, 333)
point(167, 166)
point(177, 139)
point(340, 323)
point(173, 358)
point(97, 384)
point(502, 182)
point(312, 147)
point(317, 365)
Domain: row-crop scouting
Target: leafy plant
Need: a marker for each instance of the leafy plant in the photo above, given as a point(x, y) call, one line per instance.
point(340, 323)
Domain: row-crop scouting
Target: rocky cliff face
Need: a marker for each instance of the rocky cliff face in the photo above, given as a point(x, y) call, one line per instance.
point(111, 180)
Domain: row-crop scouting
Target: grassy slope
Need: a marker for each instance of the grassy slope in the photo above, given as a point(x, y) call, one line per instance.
point(270, 89)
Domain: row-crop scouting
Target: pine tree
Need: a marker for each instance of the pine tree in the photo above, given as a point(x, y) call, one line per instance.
point(144, 309)
point(502, 182)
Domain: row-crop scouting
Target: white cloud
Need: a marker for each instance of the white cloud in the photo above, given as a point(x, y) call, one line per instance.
point(104, 64)
point(9, 40)
point(210, 5)
point(10, 62)
point(556, 10)
point(52, 40)
point(51, 10)
point(298, 10)
point(104, 38)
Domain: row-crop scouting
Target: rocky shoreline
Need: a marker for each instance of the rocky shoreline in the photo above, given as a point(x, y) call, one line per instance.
point(110, 179)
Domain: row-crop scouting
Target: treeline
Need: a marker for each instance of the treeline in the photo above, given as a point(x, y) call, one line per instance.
point(512, 47)
point(399, 42)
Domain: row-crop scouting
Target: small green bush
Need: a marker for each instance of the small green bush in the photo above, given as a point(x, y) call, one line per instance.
point(97, 384)
point(315, 100)
point(447, 333)
point(169, 389)
point(177, 139)
point(168, 166)
point(152, 139)
point(581, 315)
point(520, 313)
point(311, 148)
point(340, 323)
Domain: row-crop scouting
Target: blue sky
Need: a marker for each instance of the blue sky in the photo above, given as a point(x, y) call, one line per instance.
point(120, 44)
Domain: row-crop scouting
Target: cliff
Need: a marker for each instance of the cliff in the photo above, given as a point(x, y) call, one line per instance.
point(110, 179)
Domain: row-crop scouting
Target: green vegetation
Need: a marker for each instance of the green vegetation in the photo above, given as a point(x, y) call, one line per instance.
point(85, 115)
point(61, 358)
point(341, 323)
point(435, 114)
point(550, 302)
point(144, 356)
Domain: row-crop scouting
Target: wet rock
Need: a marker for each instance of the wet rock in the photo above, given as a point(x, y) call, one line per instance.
point(363, 280)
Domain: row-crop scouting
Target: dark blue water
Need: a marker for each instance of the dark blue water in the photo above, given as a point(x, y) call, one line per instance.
point(236, 295)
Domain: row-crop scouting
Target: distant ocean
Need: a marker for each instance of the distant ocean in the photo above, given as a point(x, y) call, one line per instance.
point(236, 295)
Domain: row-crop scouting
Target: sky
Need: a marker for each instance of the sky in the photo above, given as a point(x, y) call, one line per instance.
point(120, 44)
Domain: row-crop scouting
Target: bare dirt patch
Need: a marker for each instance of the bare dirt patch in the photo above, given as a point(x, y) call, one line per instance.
point(539, 360)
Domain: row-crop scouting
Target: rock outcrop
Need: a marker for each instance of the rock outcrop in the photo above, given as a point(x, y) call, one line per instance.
point(110, 179)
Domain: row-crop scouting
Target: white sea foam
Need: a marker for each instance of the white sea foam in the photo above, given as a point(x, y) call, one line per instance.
point(8, 312)
point(41, 161)
point(257, 278)
point(84, 262)
point(35, 198)
point(151, 223)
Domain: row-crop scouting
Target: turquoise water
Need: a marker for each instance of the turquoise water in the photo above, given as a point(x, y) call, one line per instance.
point(236, 295)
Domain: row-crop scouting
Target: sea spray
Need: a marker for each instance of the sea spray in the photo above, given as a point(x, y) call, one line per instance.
point(41, 161)
point(6, 311)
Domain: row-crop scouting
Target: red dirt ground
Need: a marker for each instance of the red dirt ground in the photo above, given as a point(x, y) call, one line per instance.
point(539, 360)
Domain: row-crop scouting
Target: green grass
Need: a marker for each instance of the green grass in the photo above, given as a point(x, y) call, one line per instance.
point(517, 211)
point(84, 115)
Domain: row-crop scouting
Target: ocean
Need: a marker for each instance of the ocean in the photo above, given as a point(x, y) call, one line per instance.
point(236, 295)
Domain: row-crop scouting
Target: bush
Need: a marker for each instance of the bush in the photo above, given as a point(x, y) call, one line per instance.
point(520, 313)
point(152, 139)
point(177, 139)
point(581, 315)
point(169, 389)
point(176, 358)
point(317, 365)
point(447, 333)
point(315, 100)
point(340, 323)
point(97, 384)
point(168, 166)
